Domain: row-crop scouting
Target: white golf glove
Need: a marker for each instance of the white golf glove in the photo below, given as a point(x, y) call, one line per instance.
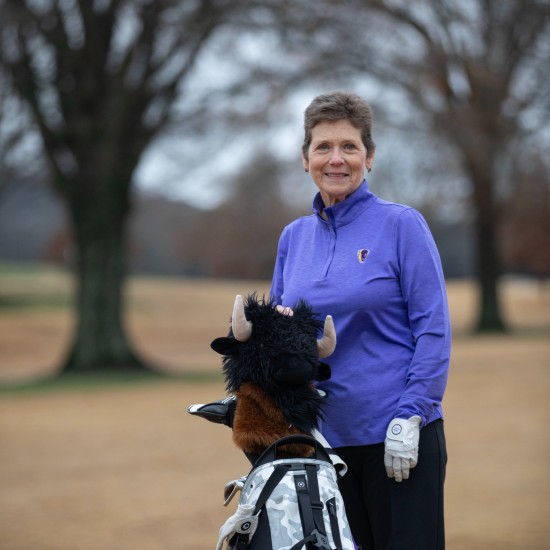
point(242, 521)
point(401, 447)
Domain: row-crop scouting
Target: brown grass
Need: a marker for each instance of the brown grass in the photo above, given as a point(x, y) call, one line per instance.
point(125, 467)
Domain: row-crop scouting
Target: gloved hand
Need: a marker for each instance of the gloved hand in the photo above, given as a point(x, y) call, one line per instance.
point(401, 447)
point(242, 521)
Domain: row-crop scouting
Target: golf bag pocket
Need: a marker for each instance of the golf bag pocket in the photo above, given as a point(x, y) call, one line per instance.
point(289, 504)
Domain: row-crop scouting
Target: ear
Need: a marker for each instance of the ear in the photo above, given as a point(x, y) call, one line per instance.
point(323, 372)
point(305, 163)
point(225, 345)
point(370, 159)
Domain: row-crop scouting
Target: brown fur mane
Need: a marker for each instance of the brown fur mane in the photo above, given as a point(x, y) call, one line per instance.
point(259, 422)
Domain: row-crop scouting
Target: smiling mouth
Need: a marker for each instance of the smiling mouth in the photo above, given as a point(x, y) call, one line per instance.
point(334, 175)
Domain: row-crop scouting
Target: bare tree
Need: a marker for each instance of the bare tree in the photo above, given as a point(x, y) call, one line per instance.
point(480, 72)
point(99, 79)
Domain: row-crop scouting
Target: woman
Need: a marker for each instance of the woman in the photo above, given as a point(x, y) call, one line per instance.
point(373, 266)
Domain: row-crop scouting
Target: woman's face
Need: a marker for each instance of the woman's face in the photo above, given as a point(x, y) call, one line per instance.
point(337, 159)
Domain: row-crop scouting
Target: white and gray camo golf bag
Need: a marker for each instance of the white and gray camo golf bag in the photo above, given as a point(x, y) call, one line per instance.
point(289, 504)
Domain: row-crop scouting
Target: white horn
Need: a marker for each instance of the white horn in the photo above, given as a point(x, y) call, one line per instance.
point(242, 329)
point(327, 343)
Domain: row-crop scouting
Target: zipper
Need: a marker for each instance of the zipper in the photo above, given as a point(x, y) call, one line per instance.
point(332, 244)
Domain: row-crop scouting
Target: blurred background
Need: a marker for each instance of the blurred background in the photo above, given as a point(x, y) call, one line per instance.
point(149, 159)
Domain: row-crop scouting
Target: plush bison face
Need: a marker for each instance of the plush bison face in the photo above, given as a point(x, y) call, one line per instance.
point(273, 350)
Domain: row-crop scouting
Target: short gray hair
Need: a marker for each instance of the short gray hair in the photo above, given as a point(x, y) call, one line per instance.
point(339, 106)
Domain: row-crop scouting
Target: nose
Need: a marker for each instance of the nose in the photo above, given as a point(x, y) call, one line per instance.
point(336, 157)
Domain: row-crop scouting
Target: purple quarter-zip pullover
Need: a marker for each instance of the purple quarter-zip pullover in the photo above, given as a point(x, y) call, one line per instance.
point(373, 266)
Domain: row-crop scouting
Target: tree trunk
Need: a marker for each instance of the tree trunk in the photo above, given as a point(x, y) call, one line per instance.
point(488, 256)
point(100, 341)
point(488, 262)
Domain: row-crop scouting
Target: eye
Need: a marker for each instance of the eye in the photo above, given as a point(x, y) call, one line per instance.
point(350, 146)
point(323, 147)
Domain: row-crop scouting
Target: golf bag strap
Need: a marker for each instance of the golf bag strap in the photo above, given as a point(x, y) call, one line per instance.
point(316, 503)
point(334, 526)
point(304, 504)
point(318, 540)
point(311, 510)
point(278, 473)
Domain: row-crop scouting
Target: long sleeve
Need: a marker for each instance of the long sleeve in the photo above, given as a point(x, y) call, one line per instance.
point(277, 283)
point(423, 289)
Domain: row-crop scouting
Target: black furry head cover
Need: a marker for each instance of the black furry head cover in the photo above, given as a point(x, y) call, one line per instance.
point(279, 354)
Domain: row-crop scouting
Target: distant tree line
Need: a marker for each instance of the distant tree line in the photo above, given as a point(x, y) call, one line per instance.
point(167, 237)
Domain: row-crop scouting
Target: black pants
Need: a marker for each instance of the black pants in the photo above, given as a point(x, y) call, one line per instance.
point(387, 515)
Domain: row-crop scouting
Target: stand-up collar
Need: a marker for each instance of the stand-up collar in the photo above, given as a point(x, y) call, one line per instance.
point(346, 211)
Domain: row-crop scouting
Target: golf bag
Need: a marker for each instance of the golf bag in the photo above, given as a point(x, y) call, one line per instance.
point(289, 504)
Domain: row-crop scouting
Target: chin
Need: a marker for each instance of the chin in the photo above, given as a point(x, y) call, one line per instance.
point(335, 197)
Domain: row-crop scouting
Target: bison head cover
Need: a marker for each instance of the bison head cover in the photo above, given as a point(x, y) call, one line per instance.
point(270, 363)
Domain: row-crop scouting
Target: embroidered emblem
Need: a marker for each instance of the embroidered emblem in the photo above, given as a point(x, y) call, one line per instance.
point(396, 429)
point(362, 254)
